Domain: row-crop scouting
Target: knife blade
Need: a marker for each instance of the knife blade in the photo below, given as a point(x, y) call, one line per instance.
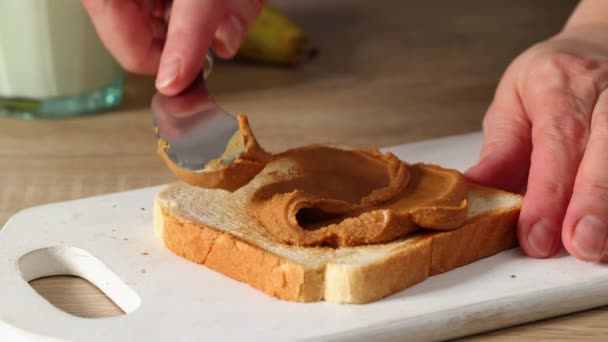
point(196, 130)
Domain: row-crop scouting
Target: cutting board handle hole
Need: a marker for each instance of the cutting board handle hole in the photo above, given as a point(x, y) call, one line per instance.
point(73, 261)
point(76, 296)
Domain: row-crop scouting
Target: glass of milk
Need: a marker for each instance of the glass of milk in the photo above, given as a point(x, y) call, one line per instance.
point(52, 63)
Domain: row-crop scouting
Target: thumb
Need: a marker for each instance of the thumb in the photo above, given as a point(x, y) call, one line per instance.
point(505, 154)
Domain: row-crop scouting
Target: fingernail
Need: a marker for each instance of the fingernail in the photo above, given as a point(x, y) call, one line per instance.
point(542, 237)
point(231, 33)
point(167, 73)
point(589, 237)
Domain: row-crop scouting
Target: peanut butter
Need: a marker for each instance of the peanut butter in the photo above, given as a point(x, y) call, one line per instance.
point(340, 197)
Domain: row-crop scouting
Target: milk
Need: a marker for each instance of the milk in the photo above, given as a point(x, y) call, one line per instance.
point(49, 48)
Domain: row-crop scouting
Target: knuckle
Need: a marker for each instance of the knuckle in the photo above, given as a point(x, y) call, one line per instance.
point(571, 130)
point(556, 188)
point(184, 40)
point(504, 120)
point(547, 66)
point(584, 75)
point(185, 33)
point(597, 190)
point(568, 63)
point(566, 103)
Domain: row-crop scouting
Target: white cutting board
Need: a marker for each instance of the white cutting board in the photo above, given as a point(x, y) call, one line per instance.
point(104, 239)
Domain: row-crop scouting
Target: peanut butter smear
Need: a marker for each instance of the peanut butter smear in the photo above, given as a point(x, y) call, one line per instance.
point(340, 197)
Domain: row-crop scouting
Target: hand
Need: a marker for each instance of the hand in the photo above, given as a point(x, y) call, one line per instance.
point(546, 132)
point(135, 32)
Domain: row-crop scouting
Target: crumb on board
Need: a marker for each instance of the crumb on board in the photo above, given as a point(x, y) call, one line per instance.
point(513, 276)
point(143, 209)
point(126, 239)
point(142, 271)
point(145, 253)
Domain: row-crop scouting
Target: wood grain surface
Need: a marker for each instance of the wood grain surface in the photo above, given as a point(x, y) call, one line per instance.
point(389, 72)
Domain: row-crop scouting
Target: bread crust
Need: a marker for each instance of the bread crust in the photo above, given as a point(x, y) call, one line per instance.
point(240, 260)
point(407, 265)
point(410, 260)
point(484, 236)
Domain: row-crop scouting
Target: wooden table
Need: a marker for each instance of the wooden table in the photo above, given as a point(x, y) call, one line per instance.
point(389, 72)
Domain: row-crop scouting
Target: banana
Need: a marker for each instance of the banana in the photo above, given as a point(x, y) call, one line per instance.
point(276, 39)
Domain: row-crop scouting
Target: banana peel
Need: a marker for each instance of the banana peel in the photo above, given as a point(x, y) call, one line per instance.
point(275, 39)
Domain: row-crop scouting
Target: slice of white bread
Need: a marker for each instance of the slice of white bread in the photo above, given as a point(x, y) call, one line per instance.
point(213, 228)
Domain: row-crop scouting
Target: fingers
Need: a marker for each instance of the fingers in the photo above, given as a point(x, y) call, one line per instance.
point(228, 37)
point(504, 159)
point(139, 39)
point(191, 29)
point(586, 224)
point(559, 136)
point(128, 32)
point(233, 27)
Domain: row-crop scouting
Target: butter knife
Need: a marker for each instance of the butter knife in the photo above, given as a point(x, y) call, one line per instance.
point(196, 130)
